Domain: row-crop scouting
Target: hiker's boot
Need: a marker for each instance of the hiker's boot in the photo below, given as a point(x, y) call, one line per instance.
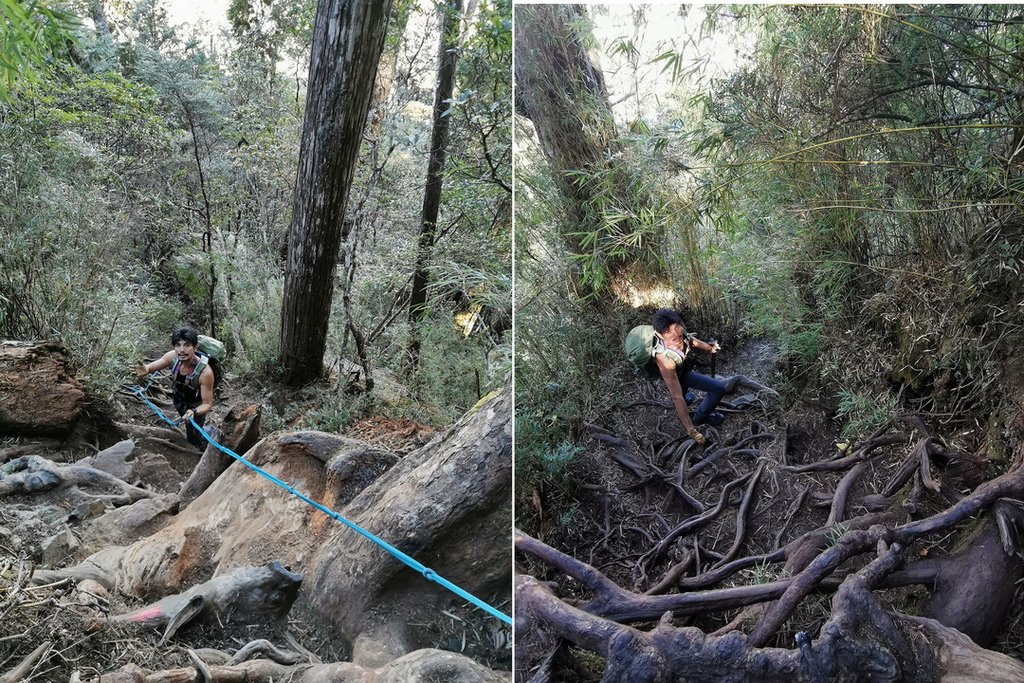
point(712, 419)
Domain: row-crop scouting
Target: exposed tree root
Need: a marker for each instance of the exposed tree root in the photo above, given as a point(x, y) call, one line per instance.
point(860, 638)
point(267, 650)
point(31, 474)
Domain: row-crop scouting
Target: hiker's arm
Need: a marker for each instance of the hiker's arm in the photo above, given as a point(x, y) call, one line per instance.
point(165, 361)
point(206, 392)
point(668, 374)
point(705, 346)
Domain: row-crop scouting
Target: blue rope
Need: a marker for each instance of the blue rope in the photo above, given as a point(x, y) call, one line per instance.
point(427, 573)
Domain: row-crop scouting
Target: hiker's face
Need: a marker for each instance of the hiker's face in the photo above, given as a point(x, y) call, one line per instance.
point(185, 350)
point(673, 336)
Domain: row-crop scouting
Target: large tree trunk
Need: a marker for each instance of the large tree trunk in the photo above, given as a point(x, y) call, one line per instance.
point(561, 89)
point(386, 70)
point(99, 17)
point(447, 60)
point(347, 44)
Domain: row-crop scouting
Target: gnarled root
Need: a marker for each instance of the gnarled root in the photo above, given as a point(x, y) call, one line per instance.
point(31, 474)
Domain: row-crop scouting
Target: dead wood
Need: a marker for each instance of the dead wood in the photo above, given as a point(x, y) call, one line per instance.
point(241, 433)
point(31, 474)
point(210, 466)
point(421, 666)
point(860, 453)
point(247, 595)
point(21, 670)
point(38, 390)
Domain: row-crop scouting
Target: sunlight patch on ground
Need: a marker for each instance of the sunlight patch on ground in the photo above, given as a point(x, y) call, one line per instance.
point(657, 296)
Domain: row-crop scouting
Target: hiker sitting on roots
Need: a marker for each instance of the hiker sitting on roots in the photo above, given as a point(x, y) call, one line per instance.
point(193, 380)
point(663, 349)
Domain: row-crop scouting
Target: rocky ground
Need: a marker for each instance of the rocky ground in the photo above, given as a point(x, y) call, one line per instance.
point(121, 546)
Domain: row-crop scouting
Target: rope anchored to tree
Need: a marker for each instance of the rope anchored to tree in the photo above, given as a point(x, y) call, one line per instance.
point(427, 573)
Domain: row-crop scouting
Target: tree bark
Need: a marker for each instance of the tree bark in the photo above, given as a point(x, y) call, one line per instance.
point(561, 89)
point(447, 60)
point(99, 17)
point(434, 505)
point(38, 392)
point(347, 44)
point(386, 70)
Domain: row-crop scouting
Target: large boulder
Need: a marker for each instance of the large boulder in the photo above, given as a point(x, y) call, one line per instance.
point(38, 392)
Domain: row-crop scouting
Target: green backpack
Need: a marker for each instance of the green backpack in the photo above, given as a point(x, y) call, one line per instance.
point(639, 343)
point(213, 348)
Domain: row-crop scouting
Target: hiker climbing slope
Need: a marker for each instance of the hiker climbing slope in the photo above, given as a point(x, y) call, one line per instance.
point(663, 349)
point(193, 380)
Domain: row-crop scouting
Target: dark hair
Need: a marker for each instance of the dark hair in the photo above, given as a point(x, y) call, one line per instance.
point(185, 333)
point(665, 318)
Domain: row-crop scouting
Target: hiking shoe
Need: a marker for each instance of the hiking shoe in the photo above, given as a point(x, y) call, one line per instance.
point(690, 397)
point(713, 419)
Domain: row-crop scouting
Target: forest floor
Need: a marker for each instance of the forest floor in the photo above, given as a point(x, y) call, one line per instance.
point(67, 618)
point(616, 516)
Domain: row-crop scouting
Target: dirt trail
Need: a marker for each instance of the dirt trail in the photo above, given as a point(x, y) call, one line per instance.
point(629, 507)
